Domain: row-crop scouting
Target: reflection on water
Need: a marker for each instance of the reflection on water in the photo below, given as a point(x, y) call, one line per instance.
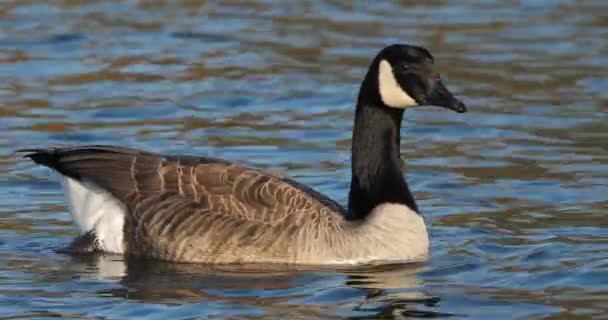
point(231, 290)
point(514, 192)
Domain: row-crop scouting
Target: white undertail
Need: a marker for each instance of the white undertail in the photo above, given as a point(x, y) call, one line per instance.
point(94, 209)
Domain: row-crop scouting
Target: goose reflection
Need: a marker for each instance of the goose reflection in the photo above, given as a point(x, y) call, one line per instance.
point(388, 291)
point(365, 292)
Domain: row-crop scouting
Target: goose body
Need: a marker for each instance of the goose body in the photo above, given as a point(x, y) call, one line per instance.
point(207, 210)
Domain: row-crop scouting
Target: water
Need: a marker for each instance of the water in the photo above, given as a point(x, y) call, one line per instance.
point(514, 192)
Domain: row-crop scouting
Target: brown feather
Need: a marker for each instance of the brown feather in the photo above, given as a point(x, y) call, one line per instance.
point(202, 209)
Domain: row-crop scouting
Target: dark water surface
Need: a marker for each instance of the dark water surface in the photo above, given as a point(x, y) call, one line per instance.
point(515, 192)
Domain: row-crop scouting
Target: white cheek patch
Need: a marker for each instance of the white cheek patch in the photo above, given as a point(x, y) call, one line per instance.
point(391, 92)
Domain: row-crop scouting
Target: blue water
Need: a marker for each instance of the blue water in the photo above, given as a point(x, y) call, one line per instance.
point(514, 192)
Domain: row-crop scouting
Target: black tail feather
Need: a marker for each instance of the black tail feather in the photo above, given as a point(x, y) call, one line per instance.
point(84, 161)
point(45, 157)
point(49, 158)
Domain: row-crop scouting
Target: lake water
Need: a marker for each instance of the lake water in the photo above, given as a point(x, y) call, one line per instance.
point(515, 192)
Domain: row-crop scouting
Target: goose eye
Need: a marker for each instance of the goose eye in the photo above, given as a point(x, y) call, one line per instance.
point(405, 67)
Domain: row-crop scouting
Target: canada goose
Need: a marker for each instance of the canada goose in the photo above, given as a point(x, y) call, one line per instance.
point(205, 210)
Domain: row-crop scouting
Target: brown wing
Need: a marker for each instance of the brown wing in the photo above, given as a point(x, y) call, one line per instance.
point(173, 197)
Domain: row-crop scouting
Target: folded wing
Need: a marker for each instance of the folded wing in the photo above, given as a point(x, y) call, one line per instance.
point(198, 208)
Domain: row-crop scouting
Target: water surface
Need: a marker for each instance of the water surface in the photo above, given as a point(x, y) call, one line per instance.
point(514, 191)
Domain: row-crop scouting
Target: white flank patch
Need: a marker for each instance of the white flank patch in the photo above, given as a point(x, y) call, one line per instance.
point(391, 92)
point(94, 209)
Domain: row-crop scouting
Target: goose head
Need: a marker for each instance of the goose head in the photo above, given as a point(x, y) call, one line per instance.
point(404, 76)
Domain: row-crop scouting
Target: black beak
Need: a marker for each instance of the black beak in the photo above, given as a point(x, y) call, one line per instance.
point(442, 97)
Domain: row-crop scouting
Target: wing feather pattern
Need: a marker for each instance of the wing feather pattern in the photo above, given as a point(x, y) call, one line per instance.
point(200, 209)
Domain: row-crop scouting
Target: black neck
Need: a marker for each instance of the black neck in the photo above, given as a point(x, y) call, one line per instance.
point(376, 163)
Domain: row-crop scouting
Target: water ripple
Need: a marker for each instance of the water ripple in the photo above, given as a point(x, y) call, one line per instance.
point(514, 192)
